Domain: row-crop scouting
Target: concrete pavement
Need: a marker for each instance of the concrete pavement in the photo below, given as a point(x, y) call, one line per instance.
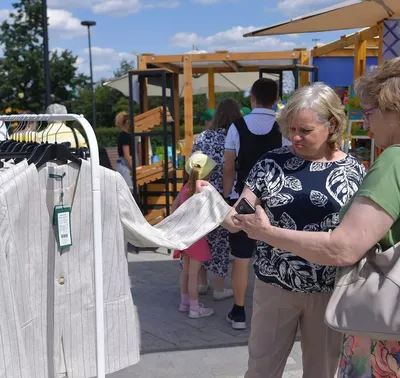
point(174, 345)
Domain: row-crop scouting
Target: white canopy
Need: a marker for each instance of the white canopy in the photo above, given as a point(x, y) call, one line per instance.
point(352, 14)
point(224, 82)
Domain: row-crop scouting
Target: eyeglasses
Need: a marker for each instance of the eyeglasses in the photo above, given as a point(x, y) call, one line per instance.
point(367, 113)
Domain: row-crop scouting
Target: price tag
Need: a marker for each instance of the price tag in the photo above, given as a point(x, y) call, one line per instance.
point(62, 221)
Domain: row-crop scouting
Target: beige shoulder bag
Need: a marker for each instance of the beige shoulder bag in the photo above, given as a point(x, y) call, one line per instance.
point(366, 298)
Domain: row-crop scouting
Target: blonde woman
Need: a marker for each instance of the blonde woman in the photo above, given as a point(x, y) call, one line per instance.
point(299, 187)
point(373, 216)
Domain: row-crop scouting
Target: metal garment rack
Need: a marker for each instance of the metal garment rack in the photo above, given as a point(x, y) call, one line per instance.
point(97, 226)
point(164, 79)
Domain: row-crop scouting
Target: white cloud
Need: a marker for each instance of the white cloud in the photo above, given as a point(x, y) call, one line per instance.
point(105, 61)
point(113, 7)
point(299, 7)
point(103, 68)
point(4, 14)
point(231, 40)
point(110, 53)
point(64, 25)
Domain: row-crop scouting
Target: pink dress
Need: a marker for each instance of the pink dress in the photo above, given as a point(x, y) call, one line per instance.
point(200, 250)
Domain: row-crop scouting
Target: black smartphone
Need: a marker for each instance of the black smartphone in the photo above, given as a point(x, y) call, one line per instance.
point(245, 207)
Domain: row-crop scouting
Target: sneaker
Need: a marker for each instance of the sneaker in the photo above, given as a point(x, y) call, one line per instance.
point(203, 289)
point(184, 307)
point(200, 312)
point(221, 295)
point(237, 319)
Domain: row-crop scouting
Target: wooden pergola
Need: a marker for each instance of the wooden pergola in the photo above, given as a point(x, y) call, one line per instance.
point(211, 64)
point(362, 44)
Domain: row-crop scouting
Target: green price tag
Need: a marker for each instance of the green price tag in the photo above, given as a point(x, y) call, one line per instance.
point(62, 222)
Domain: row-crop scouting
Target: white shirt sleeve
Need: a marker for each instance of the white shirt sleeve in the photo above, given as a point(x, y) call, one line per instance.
point(232, 141)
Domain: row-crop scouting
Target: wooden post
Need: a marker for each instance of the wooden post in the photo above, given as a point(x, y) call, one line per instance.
point(142, 65)
point(176, 110)
point(211, 88)
point(380, 41)
point(360, 56)
point(188, 101)
point(304, 60)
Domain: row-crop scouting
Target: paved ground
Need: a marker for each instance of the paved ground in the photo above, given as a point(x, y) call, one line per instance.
point(174, 345)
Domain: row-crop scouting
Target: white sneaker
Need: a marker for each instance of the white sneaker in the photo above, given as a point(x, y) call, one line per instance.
point(221, 295)
point(203, 289)
point(200, 312)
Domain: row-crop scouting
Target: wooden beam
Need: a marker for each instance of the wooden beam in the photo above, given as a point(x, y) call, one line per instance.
point(234, 65)
point(168, 66)
point(360, 56)
point(142, 65)
point(269, 55)
point(177, 109)
point(188, 101)
point(349, 53)
point(220, 69)
point(380, 40)
point(345, 41)
point(211, 88)
point(304, 75)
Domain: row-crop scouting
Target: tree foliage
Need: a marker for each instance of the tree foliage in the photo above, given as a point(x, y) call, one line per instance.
point(22, 64)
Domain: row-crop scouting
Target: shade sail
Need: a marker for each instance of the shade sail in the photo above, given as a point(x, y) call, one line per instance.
point(226, 82)
point(352, 14)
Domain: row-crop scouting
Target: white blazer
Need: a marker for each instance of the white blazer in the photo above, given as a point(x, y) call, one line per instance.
point(59, 293)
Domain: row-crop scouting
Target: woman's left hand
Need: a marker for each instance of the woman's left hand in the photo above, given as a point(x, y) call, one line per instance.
point(255, 225)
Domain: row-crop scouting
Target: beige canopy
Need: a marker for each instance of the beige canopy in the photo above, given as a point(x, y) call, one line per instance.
point(352, 14)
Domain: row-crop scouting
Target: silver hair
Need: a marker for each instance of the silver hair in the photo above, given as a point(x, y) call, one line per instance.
point(323, 100)
point(56, 109)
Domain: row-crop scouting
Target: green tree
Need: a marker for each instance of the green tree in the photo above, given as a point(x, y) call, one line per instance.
point(124, 66)
point(21, 67)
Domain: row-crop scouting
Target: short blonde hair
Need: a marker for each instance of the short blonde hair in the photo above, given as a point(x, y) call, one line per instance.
point(122, 120)
point(381, 87)
point(326, 104)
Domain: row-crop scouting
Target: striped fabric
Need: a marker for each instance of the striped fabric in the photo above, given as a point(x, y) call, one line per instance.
point(56, 297)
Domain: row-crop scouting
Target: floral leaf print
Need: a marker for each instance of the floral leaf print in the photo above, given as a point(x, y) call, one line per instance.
point(279, 199)
point(281, 151)
point(267, 178)
point(318, 199)
point(330, 221)
point(342, 183)
point(293, 183)
point(293, 163)
point(385, 359)
point(311, 227)
point(287, 222)
point(317, 166)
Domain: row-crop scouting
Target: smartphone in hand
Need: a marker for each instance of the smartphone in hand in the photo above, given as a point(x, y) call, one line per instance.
point(245, 207)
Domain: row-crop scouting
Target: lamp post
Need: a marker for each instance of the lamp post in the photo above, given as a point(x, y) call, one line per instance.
point(47, 80)
point(89, 24)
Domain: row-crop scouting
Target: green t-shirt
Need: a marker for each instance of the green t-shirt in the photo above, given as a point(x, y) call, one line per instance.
point(382, 185)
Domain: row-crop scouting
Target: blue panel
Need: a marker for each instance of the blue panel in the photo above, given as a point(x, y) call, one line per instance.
point(338, 71)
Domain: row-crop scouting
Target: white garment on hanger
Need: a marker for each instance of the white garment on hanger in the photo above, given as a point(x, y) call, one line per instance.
point(61, 286)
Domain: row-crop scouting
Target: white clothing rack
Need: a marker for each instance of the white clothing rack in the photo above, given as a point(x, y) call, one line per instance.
point(97, 230)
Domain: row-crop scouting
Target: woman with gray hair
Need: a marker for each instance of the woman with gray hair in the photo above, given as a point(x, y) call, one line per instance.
point(371, 217)
point(299, 187)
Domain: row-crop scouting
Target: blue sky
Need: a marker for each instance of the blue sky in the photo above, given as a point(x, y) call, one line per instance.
point(128, 27)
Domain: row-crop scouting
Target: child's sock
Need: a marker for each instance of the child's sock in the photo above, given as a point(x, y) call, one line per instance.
point(194, 305)
point(185, 299)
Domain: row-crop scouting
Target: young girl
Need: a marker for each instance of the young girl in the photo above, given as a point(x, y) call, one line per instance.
point(198, 167)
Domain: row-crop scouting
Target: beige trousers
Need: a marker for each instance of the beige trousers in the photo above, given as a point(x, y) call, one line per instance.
point(276, 315)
